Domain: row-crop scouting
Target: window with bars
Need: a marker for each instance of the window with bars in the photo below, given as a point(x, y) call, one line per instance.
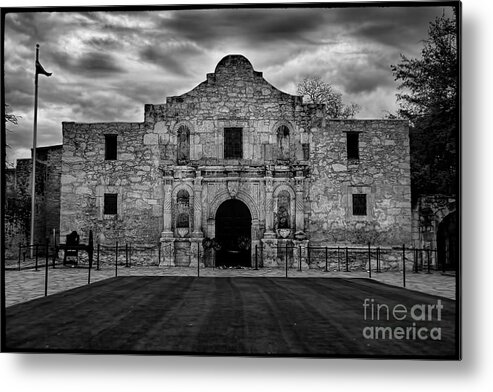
point(233, 143)
point(110, 203)
point(110, 147)
point(359, 204)
point(352, 145)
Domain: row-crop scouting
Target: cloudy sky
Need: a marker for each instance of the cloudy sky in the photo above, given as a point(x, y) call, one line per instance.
point(107, 65)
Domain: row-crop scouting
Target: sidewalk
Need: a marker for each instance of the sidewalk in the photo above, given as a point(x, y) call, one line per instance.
point(25, 285)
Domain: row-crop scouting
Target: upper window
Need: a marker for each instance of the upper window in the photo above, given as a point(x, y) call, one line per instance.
point(183, 153)
point(110, 147)
point(110, 203)
point(233, 143)
point(359, 204)
point(283, 142)
point(352, 145)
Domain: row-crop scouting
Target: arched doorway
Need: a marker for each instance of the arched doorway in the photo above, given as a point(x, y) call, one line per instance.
point(233, 232)
point(447, 242)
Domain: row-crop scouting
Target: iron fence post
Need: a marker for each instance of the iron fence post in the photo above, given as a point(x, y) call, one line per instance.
point(299, 266)
point(19, 261)
point(369, 260)
point(308, 255)
point(198, 259)
point(347, 260)
point(171, 252)
point(36, 257)
point(338, 260)
point(55, 246)
point(89, 272)
point(97, 258)
point(159, 253)
point(262, 253)
point(428, 260)
point(286, 258)
point(116, 259)
point(55, 254)
point(403, 265)
point(126, 254)
point(378, 259)
point(326, 259)
point(256, 257)
point(46, 276)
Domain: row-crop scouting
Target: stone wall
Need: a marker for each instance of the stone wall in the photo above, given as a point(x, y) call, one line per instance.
point(382, 173)
point(134, 176)
point(18, 199)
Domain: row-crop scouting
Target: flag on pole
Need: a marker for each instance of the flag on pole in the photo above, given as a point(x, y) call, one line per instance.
point(41, 70)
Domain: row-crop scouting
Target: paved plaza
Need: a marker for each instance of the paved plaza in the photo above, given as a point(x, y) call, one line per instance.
point(237, 315)
point(25, 285)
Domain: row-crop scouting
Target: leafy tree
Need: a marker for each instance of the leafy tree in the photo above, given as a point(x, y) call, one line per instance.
point(429, 100)
point(315, 90)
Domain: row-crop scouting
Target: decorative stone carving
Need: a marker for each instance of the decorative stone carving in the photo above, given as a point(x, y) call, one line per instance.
point(233, 187)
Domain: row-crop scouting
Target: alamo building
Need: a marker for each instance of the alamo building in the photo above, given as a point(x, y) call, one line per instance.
point(237, 162)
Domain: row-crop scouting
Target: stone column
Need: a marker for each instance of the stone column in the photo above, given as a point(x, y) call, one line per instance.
point(167, 240)
point(269, 205)
point(168, 185)
point(197, 206)
point(300, 215)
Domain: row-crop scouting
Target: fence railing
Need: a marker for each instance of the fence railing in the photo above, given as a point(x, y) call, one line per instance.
point(288, 257)
point(370, 259)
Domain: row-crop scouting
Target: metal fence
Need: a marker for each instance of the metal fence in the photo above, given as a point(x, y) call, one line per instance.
point(287, 258)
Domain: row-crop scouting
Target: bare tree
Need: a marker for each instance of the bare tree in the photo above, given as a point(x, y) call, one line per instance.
point(9, 118)
point(315, 90)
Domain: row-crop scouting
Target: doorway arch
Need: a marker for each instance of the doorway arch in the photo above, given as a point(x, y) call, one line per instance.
point(447, 242)
point(233, 232)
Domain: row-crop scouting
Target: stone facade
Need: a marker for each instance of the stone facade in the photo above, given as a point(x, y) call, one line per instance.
point(382, 172)
point(237, 138)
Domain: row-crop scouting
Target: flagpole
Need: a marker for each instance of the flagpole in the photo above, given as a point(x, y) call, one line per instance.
point(35, 129)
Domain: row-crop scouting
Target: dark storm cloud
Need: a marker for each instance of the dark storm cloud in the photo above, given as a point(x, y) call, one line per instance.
point(171, 56)
point(99, 63)
point(106, 65)
point(250, 25)
point(398, 27)
point(364, 81)
point(93, 64)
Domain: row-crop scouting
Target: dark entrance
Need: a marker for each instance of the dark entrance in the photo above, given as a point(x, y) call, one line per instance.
point(233, 231)
point(447, 242)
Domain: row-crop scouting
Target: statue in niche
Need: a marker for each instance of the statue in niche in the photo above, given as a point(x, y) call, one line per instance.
point(283, 206)
point(183, 210)
point(282, 218)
